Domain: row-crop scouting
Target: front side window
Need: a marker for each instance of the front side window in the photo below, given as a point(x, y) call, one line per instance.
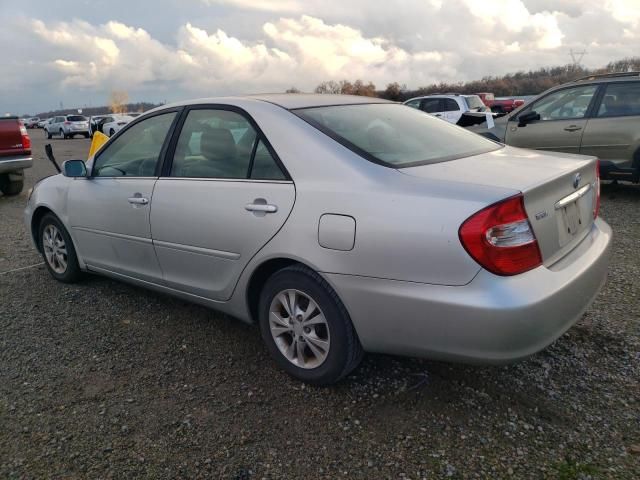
point(394, 136)
point(413, 103)
point(136, 152)
point(565, 104)
point(620, 100)
point(221, 144)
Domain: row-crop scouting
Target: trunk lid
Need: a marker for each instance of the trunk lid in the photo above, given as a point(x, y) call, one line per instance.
point(11, 136)
point(559, 190)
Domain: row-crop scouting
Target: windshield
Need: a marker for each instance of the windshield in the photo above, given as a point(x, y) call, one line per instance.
point(474, 102)
point(76, 118)
point(395, 135)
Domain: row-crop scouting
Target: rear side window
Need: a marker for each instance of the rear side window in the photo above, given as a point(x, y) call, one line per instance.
point(395, 136)
point(620, 100)
point(473, 101)
point(431, 105)
point(450, 105)
point(136, 152)
point(221, 144)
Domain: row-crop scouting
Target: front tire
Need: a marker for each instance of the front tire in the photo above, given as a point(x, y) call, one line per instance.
point(57, 250)
point(112, 132)
point(63, 136)
point(306, 327)
point(47, 134)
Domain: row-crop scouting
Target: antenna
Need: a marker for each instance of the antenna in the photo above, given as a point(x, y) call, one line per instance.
point(577, 57)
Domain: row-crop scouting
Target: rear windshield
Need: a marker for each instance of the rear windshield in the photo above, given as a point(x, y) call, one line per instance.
point(395, 135)
point(474, 101)
point(76, 118)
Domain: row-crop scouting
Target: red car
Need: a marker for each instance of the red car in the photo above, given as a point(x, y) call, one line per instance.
point(15, 155)
point(500, 104)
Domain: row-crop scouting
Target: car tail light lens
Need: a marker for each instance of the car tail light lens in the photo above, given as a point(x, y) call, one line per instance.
point(596, 206)
point(26, 140)
point(500, 238)
point(67, 123)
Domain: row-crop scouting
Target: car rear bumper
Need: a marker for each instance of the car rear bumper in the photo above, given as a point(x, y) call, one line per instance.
point(13, 164)
point(492, 319)
point(612, 171)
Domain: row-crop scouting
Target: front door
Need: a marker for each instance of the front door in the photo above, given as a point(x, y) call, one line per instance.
point(109, 212)
point(563, 119)
point(223, 198)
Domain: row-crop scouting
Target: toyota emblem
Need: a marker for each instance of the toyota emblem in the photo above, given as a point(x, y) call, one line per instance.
point(576, 180)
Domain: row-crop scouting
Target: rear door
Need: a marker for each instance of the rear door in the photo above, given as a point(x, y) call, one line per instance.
point(452, 110)
point(109, 212)
point(613, 133)
point(222, 197)
point(563, 119)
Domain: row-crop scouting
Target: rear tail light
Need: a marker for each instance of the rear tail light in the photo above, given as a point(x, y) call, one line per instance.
point(67, 122)
point(26, 140)
point(596, 203)
point(500, 238)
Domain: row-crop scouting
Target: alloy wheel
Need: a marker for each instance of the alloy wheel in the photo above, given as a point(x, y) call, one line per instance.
point(299, 329)
point(55, 249)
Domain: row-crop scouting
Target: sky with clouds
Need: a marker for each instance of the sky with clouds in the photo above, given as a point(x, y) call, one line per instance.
point(75, 52)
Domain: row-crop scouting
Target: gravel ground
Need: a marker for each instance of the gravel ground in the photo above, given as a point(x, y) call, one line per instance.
point(101, 380)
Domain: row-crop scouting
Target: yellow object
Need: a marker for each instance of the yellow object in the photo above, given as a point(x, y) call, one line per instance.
point(99, 139)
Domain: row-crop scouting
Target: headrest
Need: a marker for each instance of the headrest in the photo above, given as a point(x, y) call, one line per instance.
point(217, 144)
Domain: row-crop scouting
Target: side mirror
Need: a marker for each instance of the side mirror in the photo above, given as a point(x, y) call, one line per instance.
point(74, 168)
point(528, 117)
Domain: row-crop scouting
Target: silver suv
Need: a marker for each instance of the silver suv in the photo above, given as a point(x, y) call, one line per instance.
point(67, 126)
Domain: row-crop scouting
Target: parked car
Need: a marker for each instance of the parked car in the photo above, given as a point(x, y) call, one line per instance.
point(95, 123)
point(596, 115)
point(339, 224)
point(15, 155)
point(114, 123)
point(42, 122)
point(67, 126)
point(448, 107)
point(31, 122)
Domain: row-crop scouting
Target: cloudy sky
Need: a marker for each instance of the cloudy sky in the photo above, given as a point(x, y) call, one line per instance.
point(75, 52)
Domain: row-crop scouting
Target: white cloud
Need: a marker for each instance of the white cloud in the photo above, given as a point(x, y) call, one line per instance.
point(214, 47)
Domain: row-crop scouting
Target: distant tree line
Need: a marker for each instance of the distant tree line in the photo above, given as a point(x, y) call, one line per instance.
point(88, 111)
point(511, 84)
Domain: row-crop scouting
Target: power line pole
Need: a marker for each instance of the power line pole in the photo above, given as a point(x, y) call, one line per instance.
point(577, 57)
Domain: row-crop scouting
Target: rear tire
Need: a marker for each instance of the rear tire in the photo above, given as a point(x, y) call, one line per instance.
point(330, 348)
point(57, 250)
point(10, 187)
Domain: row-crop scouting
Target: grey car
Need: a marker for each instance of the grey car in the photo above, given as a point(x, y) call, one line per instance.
point(67, 126)
point(339, 225)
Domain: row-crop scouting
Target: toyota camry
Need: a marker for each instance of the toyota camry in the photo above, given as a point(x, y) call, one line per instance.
point(339, 225)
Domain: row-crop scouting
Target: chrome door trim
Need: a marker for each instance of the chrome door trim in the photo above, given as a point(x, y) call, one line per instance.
point(122, 236)
point(200, 250)
point(220, 179)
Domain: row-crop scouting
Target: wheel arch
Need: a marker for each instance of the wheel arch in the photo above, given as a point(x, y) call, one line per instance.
point(36, 218)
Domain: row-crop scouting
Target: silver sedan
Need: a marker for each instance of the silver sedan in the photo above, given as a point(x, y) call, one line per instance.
point(337, 224)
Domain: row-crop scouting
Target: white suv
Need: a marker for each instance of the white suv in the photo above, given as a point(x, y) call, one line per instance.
point(449, 107)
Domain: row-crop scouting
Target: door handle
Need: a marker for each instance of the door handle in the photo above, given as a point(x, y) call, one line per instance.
point(261, 207)
point(138, 200)
point(573, 128)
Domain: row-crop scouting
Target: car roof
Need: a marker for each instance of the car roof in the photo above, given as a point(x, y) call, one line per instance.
point(289, 101)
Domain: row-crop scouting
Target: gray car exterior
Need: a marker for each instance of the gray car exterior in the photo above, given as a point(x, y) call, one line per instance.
point(385, 240)
point(67, 126)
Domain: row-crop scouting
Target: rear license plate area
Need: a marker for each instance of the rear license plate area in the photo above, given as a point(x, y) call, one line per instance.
point(571, 221)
